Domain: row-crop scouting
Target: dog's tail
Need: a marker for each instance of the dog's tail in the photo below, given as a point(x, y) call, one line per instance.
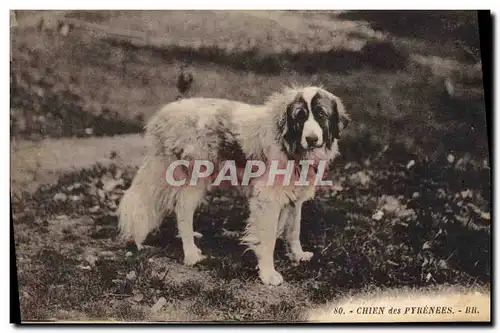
point(147, 201)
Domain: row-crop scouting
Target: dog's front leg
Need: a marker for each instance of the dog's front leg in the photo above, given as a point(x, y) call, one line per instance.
point(292, 233)
point(261, 234)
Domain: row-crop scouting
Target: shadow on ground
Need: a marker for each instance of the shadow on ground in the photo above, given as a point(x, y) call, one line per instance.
point(375, 55)
point(445, 27)
point(387, 223)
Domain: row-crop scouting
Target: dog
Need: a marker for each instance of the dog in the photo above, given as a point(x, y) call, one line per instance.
point(295, 124)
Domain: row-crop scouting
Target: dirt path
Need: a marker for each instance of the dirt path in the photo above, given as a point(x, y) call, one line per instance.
point(35, 163)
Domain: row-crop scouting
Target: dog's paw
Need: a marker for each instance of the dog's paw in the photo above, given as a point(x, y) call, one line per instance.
point(303, 256)
point(193, 257)
point(271, 277)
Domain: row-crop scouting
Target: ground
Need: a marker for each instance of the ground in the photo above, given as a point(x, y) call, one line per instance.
point(411, 202)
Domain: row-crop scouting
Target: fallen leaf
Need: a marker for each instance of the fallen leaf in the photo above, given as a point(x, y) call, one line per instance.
point(390, 262)
point(60, 197)
point(378, 215)
point(109, 184)
point(443, 264)
point(74, 186)
point(360, 177)
point(84, 268)
point(131, 276)
point(426, 262)
point(466, 194)
point(118, 174)
point(138, 297)
point(337, 188)
point(106, 254)
point(159, 304)
point(76, 197)
point(481, 213)
point(391, 204)
point(94, 209)
point(101, 194)
point(406, 212)
point(91, 259)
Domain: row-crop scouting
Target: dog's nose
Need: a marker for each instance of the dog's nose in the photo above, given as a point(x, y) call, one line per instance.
point(311, 140)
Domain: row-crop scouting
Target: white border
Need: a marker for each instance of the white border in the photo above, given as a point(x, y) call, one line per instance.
point(261, 4)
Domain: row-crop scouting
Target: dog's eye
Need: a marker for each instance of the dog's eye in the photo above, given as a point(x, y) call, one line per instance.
point(320, 113)
point(299, 114)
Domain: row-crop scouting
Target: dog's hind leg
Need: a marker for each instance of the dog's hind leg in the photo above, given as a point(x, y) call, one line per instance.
point(188, 199)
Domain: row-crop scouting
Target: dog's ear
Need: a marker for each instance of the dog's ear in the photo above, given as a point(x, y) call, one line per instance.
point(343, 119)
point(339, 120)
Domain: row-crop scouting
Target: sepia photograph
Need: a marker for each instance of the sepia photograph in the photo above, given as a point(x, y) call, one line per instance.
point(250, 166)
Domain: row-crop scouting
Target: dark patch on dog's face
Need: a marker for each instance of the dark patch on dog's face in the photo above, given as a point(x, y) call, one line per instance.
point(327, 114)
point(297, 113)
point(323, 116)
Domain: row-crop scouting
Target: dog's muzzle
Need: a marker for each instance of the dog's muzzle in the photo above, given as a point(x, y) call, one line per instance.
point(312, 142)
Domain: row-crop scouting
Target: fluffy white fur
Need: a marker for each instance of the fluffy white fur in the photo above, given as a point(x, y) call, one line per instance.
point(190, 129)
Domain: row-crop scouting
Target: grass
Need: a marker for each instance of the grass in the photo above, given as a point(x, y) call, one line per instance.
point(224, 29)
point(419, 242)
point(434, 229)
point(123, 84)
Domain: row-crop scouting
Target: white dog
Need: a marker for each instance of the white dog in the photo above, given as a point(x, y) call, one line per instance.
point(293, 125)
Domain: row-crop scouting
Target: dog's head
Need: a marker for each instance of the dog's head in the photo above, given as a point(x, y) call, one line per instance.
point(312, 120)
